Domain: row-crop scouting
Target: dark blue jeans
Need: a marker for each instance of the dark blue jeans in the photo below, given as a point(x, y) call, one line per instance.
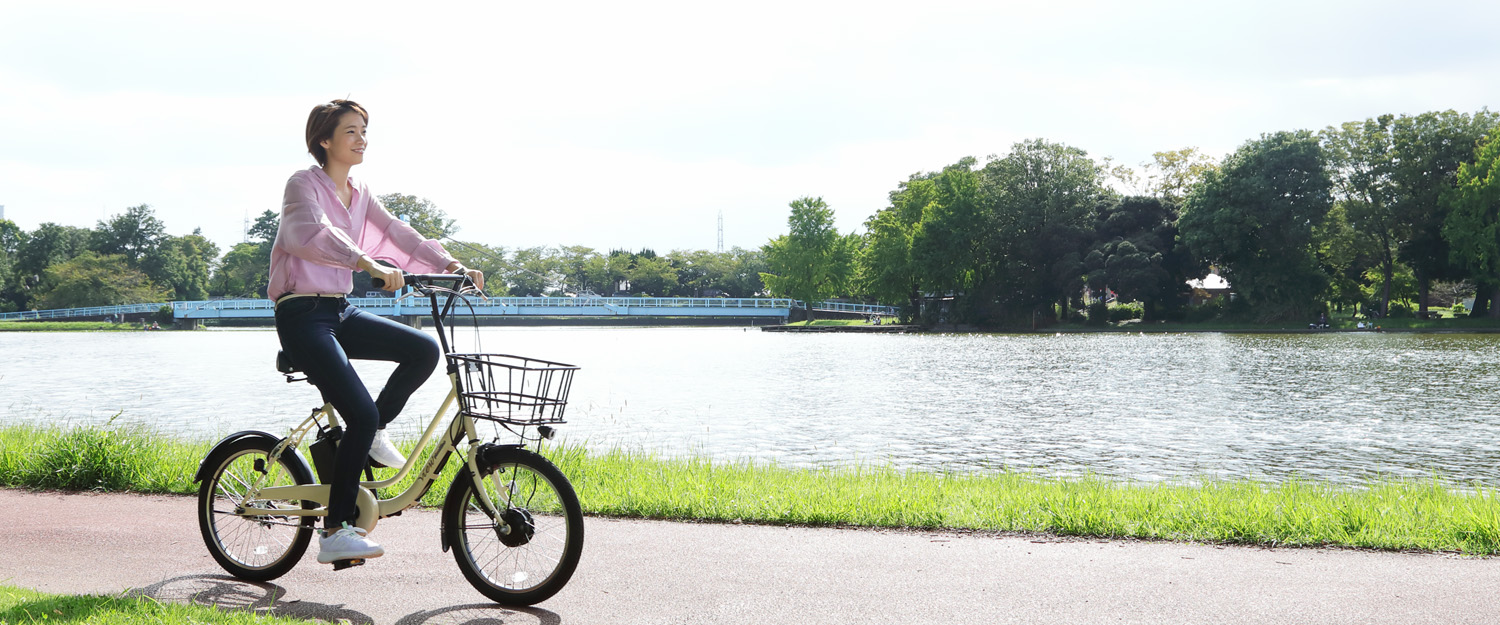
point(320, 335)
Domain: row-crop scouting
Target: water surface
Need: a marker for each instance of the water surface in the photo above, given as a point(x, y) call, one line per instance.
point(1340, 407)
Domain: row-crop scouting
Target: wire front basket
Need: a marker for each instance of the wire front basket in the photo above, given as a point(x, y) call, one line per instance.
point(513, 389)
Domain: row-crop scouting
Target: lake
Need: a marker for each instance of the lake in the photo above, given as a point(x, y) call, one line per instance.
point(1340, 407)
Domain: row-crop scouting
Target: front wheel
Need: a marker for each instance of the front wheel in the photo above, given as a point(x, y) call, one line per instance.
point(529, 551)
point(256, 548)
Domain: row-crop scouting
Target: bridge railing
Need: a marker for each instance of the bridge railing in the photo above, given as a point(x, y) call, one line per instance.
point(863, 309)
point(93, 311)
point(417, 306)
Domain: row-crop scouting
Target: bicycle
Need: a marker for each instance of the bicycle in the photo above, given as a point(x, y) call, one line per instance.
point(510, 516)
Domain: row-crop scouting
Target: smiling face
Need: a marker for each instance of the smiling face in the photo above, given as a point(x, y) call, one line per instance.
point(347, 145)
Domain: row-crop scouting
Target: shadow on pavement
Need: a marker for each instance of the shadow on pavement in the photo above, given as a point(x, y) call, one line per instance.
point(481, 614)
point(228, 593)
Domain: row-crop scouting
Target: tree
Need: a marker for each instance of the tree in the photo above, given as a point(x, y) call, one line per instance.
point(49, 244)
point(1472, 228)
point(533, 272)
point(701, 273)
point(951, 242)
point(1173, 173)
point(12, 293)
point(887, 267)
point(1428, 149)
point(131, 234)
point(652, 275)
point(743, 278)
point(245, 269)
point(12, 238)
point(421, 214)
point(1450, 293)
point(489, 259)
point(1254, 218)
point(1346, 256)
point(1362, 167)
point(93, 279)
point(183, 265)
point(265, 228)
point(1042, 199)
point(811, 262)
point(574, 262)
point(240, 272)
point(617, 270)
point(1136, 253)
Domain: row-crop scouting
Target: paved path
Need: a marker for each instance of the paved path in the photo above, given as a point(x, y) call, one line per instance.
point(664, 573)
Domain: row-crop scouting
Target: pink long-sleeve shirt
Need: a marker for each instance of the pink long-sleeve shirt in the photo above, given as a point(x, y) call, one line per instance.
point(319, 242)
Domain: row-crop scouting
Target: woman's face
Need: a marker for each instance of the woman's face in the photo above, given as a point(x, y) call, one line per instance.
point(347, 145)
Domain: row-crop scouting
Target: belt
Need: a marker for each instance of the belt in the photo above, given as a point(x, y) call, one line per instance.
point(289, 296)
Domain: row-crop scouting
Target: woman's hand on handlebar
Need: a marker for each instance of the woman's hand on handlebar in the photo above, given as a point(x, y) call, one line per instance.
point(476, 276)
point(389, 278)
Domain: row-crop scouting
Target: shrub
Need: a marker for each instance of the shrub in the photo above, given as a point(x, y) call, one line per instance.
point(1458, 309)
point(1208, 311)
point(1123, 312)
point(1098, 313)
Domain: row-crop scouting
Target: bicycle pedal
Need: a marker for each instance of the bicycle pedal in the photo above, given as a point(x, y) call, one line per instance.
point(339, 565)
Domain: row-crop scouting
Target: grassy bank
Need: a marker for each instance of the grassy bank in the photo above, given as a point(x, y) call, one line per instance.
point(66, 326)
point(20, 606)
point(841, 322)
point(1454, 324)
point(1392, 514)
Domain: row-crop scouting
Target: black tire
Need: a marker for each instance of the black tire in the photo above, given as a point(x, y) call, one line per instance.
point(516, 568)
point(255, 548)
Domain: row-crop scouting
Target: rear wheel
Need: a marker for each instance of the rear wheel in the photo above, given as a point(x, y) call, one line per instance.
point(529, 550)
point(260, 547)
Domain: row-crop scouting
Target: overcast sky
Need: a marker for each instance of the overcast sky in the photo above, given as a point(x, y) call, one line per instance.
point(634, 124)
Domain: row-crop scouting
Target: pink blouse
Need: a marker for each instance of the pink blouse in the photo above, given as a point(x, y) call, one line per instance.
point(320, 242)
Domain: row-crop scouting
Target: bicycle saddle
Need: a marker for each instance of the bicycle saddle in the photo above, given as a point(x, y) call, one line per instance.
point(284, 364)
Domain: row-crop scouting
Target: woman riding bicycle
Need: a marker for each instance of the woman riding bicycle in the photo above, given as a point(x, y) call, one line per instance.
point(330, 226)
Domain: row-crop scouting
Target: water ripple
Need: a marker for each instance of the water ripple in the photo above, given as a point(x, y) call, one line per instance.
point(1339, 407)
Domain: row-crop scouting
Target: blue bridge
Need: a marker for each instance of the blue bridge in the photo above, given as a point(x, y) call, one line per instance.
point(705, 307)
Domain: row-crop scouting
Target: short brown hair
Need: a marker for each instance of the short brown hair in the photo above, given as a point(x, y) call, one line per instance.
point(323, 120)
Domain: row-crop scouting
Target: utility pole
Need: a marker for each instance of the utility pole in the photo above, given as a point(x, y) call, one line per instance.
point(721, 231)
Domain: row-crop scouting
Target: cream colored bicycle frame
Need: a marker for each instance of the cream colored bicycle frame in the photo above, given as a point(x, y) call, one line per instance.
point(372, 510)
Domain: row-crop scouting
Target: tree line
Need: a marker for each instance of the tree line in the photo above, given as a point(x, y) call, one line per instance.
point(1383, 216)
point(130, 258)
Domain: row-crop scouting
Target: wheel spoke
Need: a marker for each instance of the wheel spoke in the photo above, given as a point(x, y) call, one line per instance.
point(249, 544)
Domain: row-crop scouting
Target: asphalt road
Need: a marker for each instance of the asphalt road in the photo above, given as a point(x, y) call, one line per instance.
point(666, 573)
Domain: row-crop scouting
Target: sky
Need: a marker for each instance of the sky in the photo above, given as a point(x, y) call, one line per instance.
point(635, 125)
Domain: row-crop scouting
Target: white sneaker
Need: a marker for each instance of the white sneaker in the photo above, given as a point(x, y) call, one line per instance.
point(385, 453)
point(347, 543)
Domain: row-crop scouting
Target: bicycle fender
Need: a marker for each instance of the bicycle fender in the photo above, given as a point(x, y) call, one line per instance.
point(221, 447)
point(490, 455)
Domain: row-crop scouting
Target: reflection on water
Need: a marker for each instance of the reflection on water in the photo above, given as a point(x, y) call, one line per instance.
point(1340, 407)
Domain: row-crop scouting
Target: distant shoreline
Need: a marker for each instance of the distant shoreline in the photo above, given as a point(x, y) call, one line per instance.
point(771, 326)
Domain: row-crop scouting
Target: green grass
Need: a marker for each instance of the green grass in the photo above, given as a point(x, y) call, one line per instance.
point(1427, 514)
point(1447, 323)
point(66, 326)
point(20, 606)
point(840, 322)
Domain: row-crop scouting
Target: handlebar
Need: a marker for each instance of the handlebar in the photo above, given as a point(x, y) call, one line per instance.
point(418, 279)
